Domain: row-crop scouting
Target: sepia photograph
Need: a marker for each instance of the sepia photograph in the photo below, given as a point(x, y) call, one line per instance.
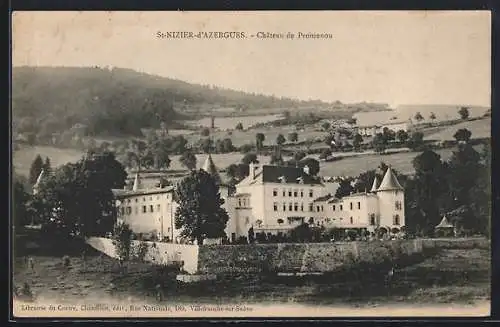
point(237, 164)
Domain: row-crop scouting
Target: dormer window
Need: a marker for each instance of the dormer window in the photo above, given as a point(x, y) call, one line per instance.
point(282, 179)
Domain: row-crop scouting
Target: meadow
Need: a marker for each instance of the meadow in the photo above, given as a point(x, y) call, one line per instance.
point(348, 166)
point(479, 128)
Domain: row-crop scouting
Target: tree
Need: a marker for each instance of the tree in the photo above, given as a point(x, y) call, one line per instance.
point(19, 202)
point(432, 116)
point(389, 134)
point(301, 233)
point(402, 136)
point(325, 153)
point(47, 166)
point(90, 180)
point(250, 158)
point(206, 145)
point(326, 126)
point(312, 164)
point(464, 113)
point(239, 126)
point(358, 139)
point(293, 137)
point(463, 135)
point(286, 115)
point(122, 240)
point(426, 192)
point(36, 168)
point(200, 214)
point(188, 160)
point(419, 117)
point(205, 132)
point(379, 142)
point(245, 148)
point(299, 155)
point(277, 158)
point(345, 188)
point(280, 139)
point(259, 141)
point(416, 141)
point(237, 172)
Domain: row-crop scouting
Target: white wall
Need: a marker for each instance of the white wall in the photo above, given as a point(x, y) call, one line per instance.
point(387, 201)
point(161, 254)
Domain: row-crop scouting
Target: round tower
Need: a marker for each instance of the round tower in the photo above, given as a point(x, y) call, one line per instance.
point(391, 201)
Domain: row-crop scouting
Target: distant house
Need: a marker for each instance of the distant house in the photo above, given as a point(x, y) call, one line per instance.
point(394, 125)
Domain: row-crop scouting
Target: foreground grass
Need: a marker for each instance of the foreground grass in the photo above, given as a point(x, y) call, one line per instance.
point(451, 276)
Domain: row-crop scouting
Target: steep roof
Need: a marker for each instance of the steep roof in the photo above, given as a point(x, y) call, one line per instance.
point(38, 181)
point(209, 166)
point(137, 182)
point(390, 182)
point(121, 193)
point(287, 175)
point(281, 175)
point(375, 184)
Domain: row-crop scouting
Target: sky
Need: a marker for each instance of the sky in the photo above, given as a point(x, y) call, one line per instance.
point(393, 57)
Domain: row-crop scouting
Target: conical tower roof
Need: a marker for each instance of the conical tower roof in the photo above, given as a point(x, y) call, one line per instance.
point(390, 182)
point(444, 223)
point(375, 183)
point(137, 182)
point(210, 168)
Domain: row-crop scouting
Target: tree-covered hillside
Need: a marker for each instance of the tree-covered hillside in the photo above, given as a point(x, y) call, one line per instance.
point(115, 102)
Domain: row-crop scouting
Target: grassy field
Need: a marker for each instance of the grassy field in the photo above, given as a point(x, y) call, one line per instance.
point(479, 129)
point(449, 277)
point(231, 122)
point(349, 166)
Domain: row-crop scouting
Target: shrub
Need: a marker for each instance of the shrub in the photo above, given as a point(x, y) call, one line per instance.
point(66, 261)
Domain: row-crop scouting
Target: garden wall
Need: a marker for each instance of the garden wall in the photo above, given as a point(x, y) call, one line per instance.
point(158, 252)
point(299, 257)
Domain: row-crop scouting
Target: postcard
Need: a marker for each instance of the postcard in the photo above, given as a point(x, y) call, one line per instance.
point(251, 164)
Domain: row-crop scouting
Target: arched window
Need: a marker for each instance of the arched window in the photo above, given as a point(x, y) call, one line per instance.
point(396, 221)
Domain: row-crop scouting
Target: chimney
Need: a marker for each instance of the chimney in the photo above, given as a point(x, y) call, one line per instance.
point(306, 169)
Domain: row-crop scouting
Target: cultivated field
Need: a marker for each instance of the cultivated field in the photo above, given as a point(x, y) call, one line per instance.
point(479, 129)
point(231, 122)
point(348, 166)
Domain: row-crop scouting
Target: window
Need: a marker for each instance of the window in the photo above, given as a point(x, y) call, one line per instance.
point(275, 205)
point(301, 207)
point(290, 207)
point(122, 211)
point(296, 206)
point(341, 207)
point(351, 205)
point(129, 210)
point(352, 221)
point(359, 205)
point(333, 207)
point(301, 193)
point(239, 202)
point(317, 208)
point(247, 220)
point(396, 220)
point(144, 209)
point(310, 193)
point(150, 198)
point(284, 206)
point(372, 219)
point(275, 192)
point(244, 202)
point(158, 207)
point(128, 200)
point(295, 193)
point(284, 193)
point(143, 199)
point(136, 200)
point(398, 205)
point(151, 208)
point(289, 192)
point(322, 207)
point(311, 208)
